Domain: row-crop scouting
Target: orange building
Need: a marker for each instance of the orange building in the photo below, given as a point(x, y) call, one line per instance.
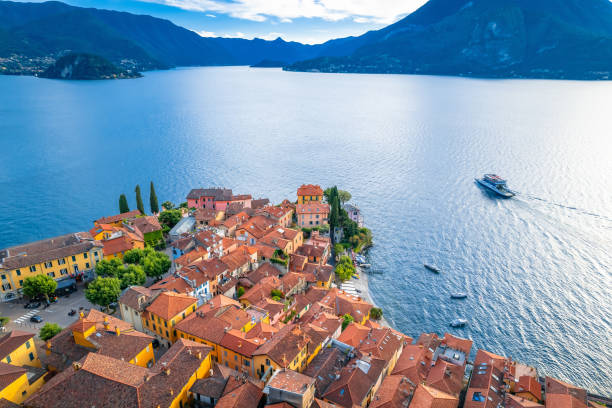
point(166, 310)
point(309, 192)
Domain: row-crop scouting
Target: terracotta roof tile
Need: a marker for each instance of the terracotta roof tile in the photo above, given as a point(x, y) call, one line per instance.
point(146, 224)
point(119, 217)
point(12, 340)
point(168, 304)
point(428, 397)
point(394, 392)
point(310, 190)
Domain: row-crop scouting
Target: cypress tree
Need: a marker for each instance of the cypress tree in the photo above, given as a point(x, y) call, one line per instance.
point(123, 204)
point(139, 200)
point(153, 200)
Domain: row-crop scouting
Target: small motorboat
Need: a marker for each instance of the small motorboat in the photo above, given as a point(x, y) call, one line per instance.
point(458, 295)
point(364, 265)
point(431, 268)
point(458, 323)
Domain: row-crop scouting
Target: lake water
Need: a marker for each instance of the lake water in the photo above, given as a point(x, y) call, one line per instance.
point(537, 268)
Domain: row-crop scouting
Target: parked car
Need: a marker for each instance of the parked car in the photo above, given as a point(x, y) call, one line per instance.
point(36, 319)
point(32, 305)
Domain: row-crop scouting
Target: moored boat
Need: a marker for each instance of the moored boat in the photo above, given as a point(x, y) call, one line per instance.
point(458, 323)
point(431, 268)
point(496, 184)
point(458, 295)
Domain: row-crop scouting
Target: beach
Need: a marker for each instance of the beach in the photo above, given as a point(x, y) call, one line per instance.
point(363, 289)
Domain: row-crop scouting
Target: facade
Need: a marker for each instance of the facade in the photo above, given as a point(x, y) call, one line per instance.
point(150, 229)
point(164, 312)
point(71, 255)
point(312, 214)
point(291, 387)
point(309, 193)
point(132, 304)
point(20, 372)
point(354, 213)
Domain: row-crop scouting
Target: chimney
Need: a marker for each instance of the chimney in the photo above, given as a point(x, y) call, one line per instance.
point(76, 366)
point(171, 391)
point(106, 322)
point(167, 371)
point(199, 355)
point(117, 331)
point(81, 314)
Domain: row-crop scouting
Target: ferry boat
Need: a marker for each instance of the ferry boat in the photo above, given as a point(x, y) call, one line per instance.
point(496, 184)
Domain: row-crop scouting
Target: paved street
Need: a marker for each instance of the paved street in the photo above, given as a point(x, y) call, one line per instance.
point(56, 313)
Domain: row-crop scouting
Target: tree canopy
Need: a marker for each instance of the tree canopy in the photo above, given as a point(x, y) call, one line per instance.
point(139, 203)
point(344, 196)
point(49, 330)
point(103, 291)
point(131, 275)
point(108, 267)
point(123, 204)
point(167, 205)
point(376, 313)
point(346, 320)
point(39, 285)
point(345, 268)
point(153, 200)
point(170, 217)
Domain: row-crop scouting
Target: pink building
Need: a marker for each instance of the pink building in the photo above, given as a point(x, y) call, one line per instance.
point(216, 198)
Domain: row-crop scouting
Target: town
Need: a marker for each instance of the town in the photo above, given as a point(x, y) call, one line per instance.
point(231, 301)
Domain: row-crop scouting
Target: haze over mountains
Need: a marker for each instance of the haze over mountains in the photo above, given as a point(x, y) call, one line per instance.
point(493, 38)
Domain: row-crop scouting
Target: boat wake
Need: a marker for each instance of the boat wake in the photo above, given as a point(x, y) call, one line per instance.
point(566, 207)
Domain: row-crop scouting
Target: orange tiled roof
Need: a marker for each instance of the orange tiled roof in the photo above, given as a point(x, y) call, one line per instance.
point(428, 397)
point(394, 392)
point(457, 343)
point(168, 304)
point(354, 334)
point(513, 401)
point(119, 217)
point(531, 385)
point(446, 377)
point(117, 245)
point(310, 190)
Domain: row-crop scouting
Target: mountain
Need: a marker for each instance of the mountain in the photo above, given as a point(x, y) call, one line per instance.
point(42, 32)
point(489, 38)
point(85, 66)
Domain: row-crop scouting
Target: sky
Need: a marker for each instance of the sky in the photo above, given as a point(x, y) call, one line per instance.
point(306, 21)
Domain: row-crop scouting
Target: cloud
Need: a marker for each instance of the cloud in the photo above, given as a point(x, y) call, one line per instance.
point(211, 15)
point(378, 11)
point(206, 33)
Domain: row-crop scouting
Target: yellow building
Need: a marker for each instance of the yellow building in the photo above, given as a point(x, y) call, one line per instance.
point(286, 349)
point(103, 333)
point(164, 312)
point(117, 220)
point(70, 255)
point(100, 380)
point(20, 372)
point(309, 193)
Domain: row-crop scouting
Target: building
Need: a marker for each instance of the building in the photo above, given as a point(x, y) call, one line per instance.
point(290, 387)
point(560, 394)
point(97, 332)
point(357, 384)
point(395, 392)
point(106, 382)
point(119, 219)
point(20, 372)
point(514, 401)
point(216, 198)
point(312, 214)
point(286, 349)
point(184, 226)
point(428, 397)
point(132, 304)
point(165, 311)
point(354, 213)
point(309, 193)
point(282, 215)
point(121, 241)
point(149, 228)
point(71, 255)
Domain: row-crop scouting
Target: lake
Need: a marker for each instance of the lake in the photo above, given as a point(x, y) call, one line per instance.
point(537, 268)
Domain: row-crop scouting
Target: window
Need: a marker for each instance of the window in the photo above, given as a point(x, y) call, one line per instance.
point(225, 353)
point(165, 323)
point(4, 277)
point(31, 355)
point(51, 274)
point(18, 272)
point(174, 333)
point(21, 283)
point(63, 271)
point(167, 335)
point(85, 255)
point(235, 357)
point(193, 309)
point(87, 265)
point(28, 344)
point(148, 349)
point(8, 359)
point(73, 258)
point(154, 328)
point(247, 363)
point(24, 392)
point(6, 287)
point(33, 268)
point(267, 361)
point(183, 315)
point(61, 261)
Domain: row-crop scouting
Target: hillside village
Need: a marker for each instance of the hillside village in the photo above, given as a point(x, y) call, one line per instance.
point(246, 313)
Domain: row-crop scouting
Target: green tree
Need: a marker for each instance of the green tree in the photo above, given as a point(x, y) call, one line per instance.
point(49, 330)
point(376, 313)
point(338, 249)
point(344, 196)
point(345, 268)
point(153, 200)
point(240, 291)
point(108, 267)
point(139, 203)
point(39, 285)
point(103, 291)
point(123, 204)
point(346, 320)
point(4, 321)
point(131, 275)
point(133, 256)
point(156, 264)
point(170, 217)
point(167, 205)
point(276, 293)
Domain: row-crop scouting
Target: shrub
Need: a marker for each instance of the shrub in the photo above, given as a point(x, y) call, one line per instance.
point(49, 330)
point(346, 320)
point(376, 313)
point(240, 291)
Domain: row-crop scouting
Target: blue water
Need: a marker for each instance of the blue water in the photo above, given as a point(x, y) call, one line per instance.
point(537, 268)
